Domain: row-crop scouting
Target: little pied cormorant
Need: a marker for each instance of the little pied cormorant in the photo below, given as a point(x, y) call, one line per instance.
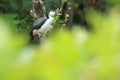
point(42, 25)
point(46, 26)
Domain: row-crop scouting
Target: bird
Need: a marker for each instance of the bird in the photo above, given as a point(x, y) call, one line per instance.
point(36, 26)
point(47, 25)
point(42, 25)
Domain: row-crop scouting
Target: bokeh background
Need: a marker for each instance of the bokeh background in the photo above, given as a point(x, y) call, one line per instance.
point(89, 51)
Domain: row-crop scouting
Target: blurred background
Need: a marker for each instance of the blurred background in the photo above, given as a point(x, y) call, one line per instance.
point(86, 48)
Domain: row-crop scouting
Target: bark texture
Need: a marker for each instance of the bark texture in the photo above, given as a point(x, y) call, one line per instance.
point(38, 10)
point(67, 13)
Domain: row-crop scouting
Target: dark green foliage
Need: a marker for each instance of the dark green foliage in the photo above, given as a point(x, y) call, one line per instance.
point(25, 23)
point(51, 5)
point(15, 6)
point(21, 8)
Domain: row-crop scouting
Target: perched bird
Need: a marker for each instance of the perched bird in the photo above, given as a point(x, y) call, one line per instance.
point(42, 25)
point(47, 25)
point(36, 26)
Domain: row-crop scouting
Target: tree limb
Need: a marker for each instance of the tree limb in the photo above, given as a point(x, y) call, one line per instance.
point(38, 10)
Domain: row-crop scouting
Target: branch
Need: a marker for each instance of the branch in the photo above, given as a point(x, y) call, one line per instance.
point(38, 10)
point(67, 12)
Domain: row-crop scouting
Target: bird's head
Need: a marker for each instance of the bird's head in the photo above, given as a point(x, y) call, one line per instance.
point(52, 13)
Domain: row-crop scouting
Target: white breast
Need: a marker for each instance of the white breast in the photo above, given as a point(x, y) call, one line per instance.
point(46, 26)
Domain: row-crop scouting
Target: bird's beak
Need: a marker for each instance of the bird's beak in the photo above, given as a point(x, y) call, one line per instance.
point(58, 14)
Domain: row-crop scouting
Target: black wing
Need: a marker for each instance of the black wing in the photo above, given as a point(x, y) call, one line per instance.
point(39, 23)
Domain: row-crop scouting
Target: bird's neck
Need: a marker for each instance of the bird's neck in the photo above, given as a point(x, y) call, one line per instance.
point(51, 18)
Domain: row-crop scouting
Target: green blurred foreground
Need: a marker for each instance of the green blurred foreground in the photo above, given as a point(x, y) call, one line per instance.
point(79, 55)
